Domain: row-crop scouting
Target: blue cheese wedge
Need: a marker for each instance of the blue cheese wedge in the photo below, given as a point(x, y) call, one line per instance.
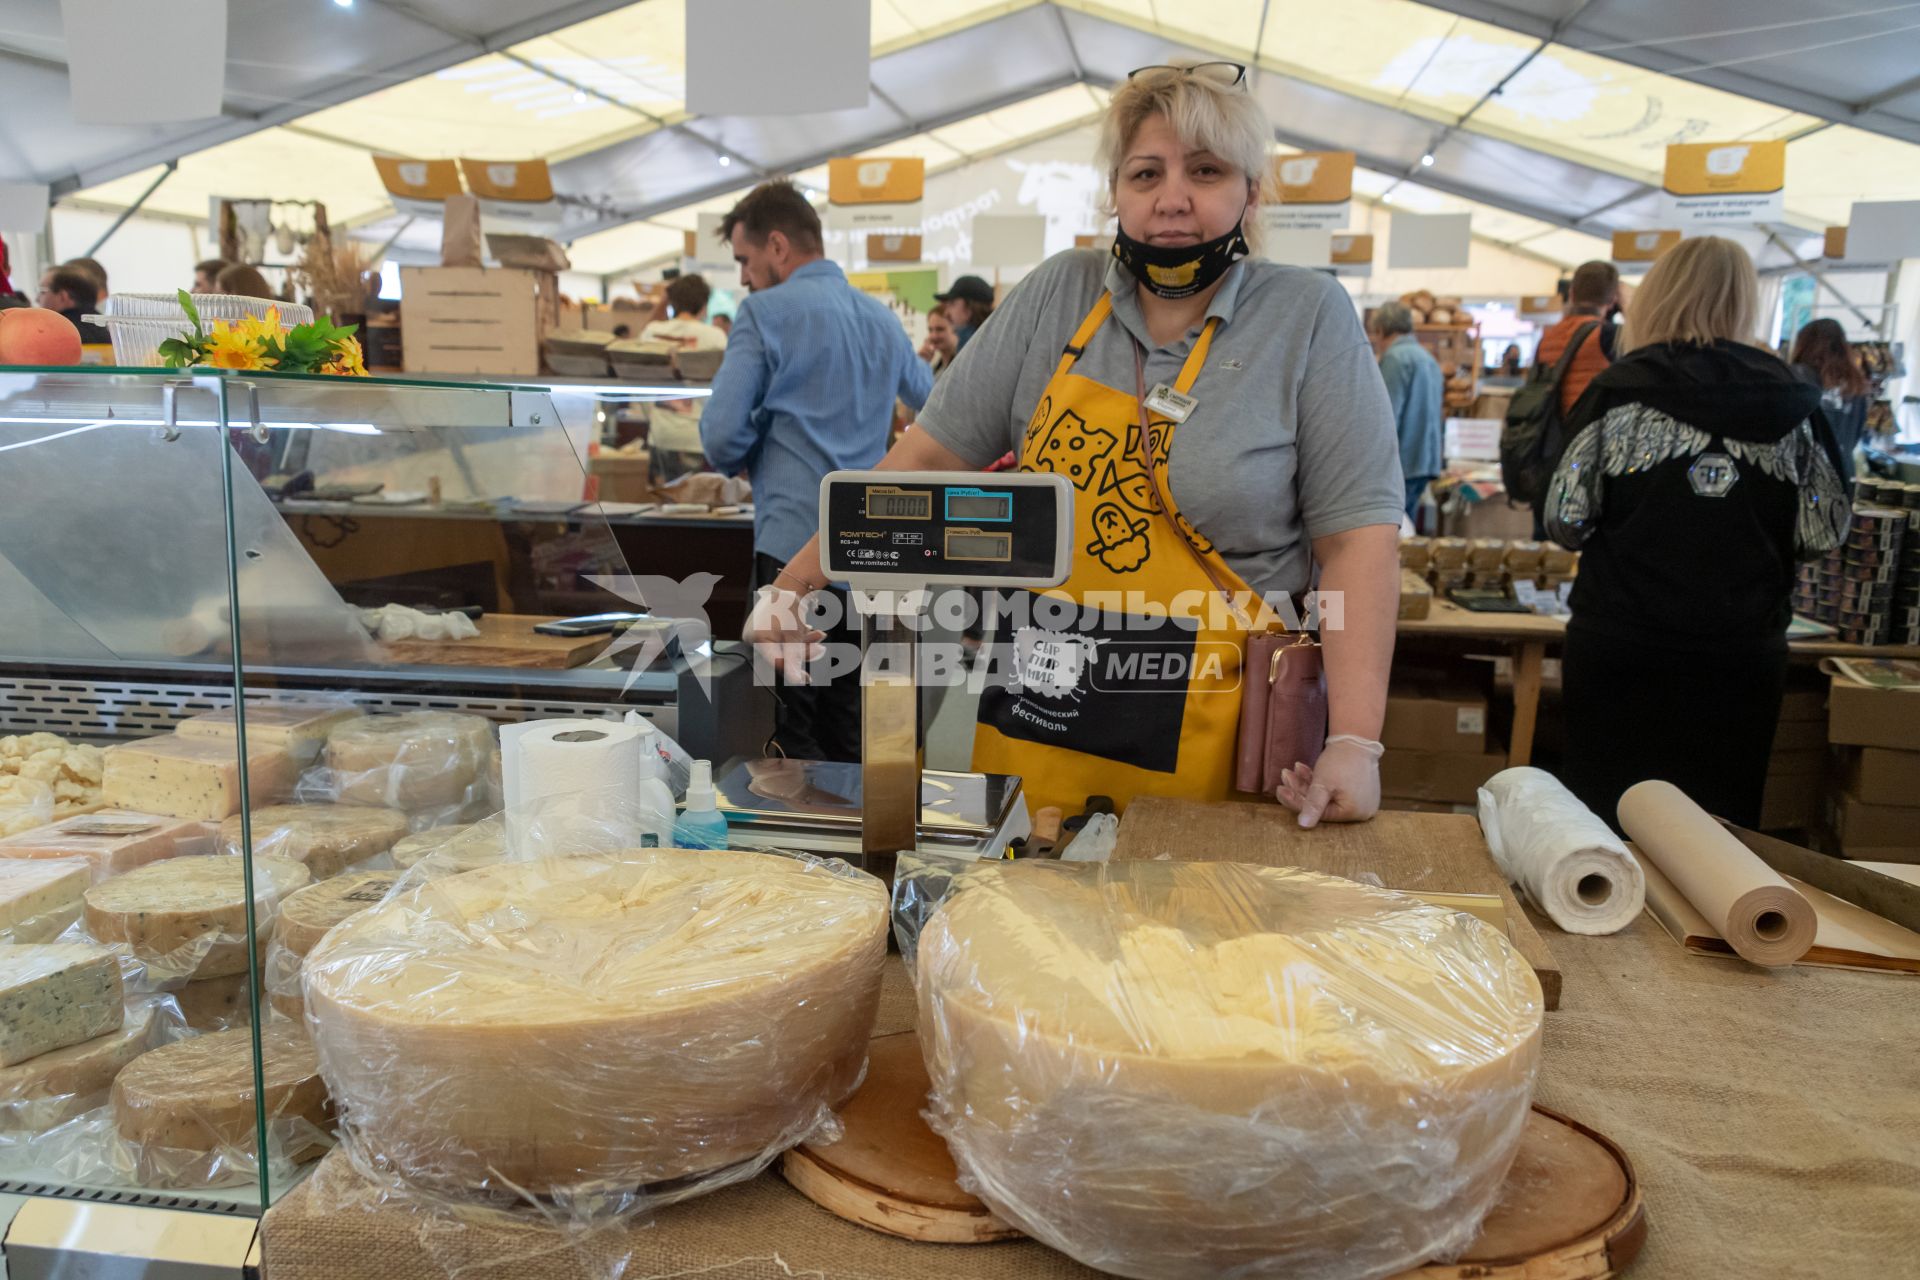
point(55, 994)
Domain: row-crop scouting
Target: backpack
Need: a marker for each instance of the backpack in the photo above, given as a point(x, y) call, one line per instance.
point(1530, 441)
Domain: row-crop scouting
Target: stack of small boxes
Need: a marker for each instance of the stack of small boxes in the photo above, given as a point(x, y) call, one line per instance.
point(1853, 588)
point(1905, 619)
point(1447, 563)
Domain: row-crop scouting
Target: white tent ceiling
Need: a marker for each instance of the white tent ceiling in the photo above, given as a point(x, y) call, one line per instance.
point(1548, 119)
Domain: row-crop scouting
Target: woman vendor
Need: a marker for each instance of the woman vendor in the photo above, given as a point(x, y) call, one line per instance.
point(1272, 451)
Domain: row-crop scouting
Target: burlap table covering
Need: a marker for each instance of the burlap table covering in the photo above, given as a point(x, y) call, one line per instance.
point(1774, 1119)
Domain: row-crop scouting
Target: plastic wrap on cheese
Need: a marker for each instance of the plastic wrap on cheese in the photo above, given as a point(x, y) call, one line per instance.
point(432, 765)
point(327, 839)
point(1175, 1069)
point(602, 1032)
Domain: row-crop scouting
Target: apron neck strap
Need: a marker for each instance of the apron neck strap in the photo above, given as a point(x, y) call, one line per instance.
point(1084, 334)
point(1191, 369)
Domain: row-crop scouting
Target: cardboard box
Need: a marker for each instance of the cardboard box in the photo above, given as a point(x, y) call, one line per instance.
point(1858, 716)
point(1797, 764)
point(1876, 775)
point(1858, 825)
point(1792, 800)
point(1804, 704)
point(472, 320)
point(1416, 597)
point(1799, 735)
point(624, 477)
point(1450, 777)
point(1435, 721)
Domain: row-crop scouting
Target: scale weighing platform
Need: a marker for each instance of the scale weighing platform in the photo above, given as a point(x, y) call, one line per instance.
point(893, 537)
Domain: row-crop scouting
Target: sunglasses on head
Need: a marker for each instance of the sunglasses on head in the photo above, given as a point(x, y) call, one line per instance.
point(1224, 74)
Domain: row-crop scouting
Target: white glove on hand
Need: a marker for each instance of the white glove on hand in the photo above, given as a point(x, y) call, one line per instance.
point(778, 631)
point(1343, 786)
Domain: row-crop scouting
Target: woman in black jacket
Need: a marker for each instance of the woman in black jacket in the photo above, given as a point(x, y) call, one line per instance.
point(1823, 356)
point(1698, 470)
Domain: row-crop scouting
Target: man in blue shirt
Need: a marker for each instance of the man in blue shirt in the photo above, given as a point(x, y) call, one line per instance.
point(1416, 388)
point(812, 370)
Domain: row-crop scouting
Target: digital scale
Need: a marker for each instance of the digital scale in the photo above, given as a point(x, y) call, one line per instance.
point(892, 537)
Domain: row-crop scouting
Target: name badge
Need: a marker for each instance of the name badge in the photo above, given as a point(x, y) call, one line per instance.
point(1168, 403)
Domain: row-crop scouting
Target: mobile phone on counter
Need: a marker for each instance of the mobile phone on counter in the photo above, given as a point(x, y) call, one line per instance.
point(594, 624)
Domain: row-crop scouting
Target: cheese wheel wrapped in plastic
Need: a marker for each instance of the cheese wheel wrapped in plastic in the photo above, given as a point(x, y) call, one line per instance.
point(416, 761)
point(599, 1021)
point(327, 839)
point(1170, 1069)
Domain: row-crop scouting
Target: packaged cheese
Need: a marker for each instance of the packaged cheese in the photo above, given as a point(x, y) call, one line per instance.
point(187, 917)
point(598, 1020)
point(192, 777)
point(25, 804)
point(39, 899)
point(305, 918)
point(214, 1004)
point(55, 1087)
point(44, 777)
point(113, 841)
point(413, 761)
point(325, 838)
point(53, 994)
point(187, 1109)
point(452, 849)
point(1183, 1070)
point(298, 728)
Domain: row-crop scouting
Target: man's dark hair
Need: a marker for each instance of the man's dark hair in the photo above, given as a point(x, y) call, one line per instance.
point(92, 268)
point(775, 206)
point(79, 287)
point(210, 268)
point(688, 295)
point(1594, 284)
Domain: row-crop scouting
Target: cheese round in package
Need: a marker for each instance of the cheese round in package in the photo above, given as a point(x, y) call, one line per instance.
point(412, 761)
point(1170, 1069)
point(461, 847)
point(326, 838)
point(609, 1019)
point(187, 917)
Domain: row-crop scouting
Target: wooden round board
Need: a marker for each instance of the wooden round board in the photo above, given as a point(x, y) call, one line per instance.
point(1570, 1210)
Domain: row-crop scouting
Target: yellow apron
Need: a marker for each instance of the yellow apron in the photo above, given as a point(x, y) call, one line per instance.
point(1108, 698)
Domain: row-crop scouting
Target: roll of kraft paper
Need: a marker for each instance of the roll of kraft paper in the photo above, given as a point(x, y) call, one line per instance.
point(1564, 858)
point(544, 761)
point(1762, 917)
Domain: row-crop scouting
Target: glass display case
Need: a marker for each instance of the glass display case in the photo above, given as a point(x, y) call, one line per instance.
point(225, 594)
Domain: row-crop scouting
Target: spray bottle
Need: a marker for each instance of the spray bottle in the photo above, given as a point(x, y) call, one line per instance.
point(701, 824)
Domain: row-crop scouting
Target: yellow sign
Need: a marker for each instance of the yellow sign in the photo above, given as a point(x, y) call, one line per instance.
point(525, 181)
point(690, 244)
point(1642, 246)
point(419, 179)
point(1314, 177)
point(876, 180)
point(1836, 246)
point(1352, 250)
point(1542, 304)
point(893, 248)
point(1726, 168)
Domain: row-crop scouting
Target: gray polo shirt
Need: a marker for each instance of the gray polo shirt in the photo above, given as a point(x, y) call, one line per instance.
point(1293, 438)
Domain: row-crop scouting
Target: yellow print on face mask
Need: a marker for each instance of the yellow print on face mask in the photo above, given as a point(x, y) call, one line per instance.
point(1177, 277)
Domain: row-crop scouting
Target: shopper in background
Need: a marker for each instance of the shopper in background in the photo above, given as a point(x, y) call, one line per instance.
point(1510, 362)
point(1699, 469)
point(942, 345)
point(673, 431)
point(812, 370)
point(1823, 356)
point(243, 281)
point(724, 323)
point(1416, 389)
point(968, 302)
point(73, 294)
point(94, 271)
point(1593, 295)
point(686, 325)
point(1282, 459)
point(206, 275)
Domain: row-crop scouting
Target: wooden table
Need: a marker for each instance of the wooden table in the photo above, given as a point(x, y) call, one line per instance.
point(1529, 634)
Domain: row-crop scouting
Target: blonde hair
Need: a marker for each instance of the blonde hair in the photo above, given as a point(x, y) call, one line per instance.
point(1206, 116)
point(1701, 291)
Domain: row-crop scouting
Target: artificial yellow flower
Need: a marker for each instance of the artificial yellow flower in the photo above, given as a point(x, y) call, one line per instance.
point(233, 349)
point(261, 328)
point(347, 361)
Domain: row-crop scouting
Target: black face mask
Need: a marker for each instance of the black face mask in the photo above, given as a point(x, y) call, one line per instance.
point(1181, 270)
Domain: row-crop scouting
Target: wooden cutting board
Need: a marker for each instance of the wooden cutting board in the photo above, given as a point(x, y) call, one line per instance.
point(1418, 852)
point(1570, 1209)
point(505, 640)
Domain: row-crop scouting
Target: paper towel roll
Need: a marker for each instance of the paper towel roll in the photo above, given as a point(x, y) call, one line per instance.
point(544, 762)
point(1564, 858)
point(1761, 916)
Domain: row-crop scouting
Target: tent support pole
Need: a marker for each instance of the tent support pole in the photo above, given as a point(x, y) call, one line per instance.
point(131, 209)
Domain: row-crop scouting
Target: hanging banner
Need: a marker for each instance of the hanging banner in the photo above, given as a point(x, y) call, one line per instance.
point(1883, 230)
point(23, 206)
point(1835, 246)
point(419, 187)
point(893, 248)
point(1541, 305)
point(1352, 254)
point(915, 287)
point(1429, 241)
point(1312, 191)
point(140, 63)
point(1102, 243)
point(1720, 184)
point(1642, 246)
point(1009, 240)
point(875, 192)
point(514, 194)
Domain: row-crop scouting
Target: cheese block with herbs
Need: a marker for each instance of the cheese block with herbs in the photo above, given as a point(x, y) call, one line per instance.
point(54, 1087)
point(412, 761)
point(326, 838)
point(187, 917)
point(113, 841)
point(601, 1019)
point(298, 728)
point(39, 899)
point(192, 777)
point(53, 994)
point(1190, 1069)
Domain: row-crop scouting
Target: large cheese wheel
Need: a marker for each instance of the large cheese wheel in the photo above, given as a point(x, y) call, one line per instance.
point(619, 1019)
point(306, 916)
point(187, 1109)
point(44, 1091)
point(187, 917)
point(214, 1004)
point(1201, 1069)
point(461, 847)
point(326, 838)
point(416, 760)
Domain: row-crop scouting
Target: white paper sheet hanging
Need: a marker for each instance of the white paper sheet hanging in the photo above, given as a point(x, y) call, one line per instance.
point(1883, 231)
point(1567, 861)
point(777, 57)
point(1429, 241)
point(23, 206)
point(1009, 240)
point(138, 62)
point(1298, 247)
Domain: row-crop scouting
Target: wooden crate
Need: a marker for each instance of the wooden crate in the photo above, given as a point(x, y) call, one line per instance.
point(476, 319)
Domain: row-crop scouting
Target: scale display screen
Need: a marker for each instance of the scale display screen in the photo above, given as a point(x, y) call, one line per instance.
point(885, 502)
point(899, 530)
point(979, 506)
point(972, 544)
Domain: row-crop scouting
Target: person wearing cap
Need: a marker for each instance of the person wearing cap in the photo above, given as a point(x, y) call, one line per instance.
point(968, 302)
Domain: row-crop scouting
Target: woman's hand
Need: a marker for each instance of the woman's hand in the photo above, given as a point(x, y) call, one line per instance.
point(778, 630)
point(1343, 786)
